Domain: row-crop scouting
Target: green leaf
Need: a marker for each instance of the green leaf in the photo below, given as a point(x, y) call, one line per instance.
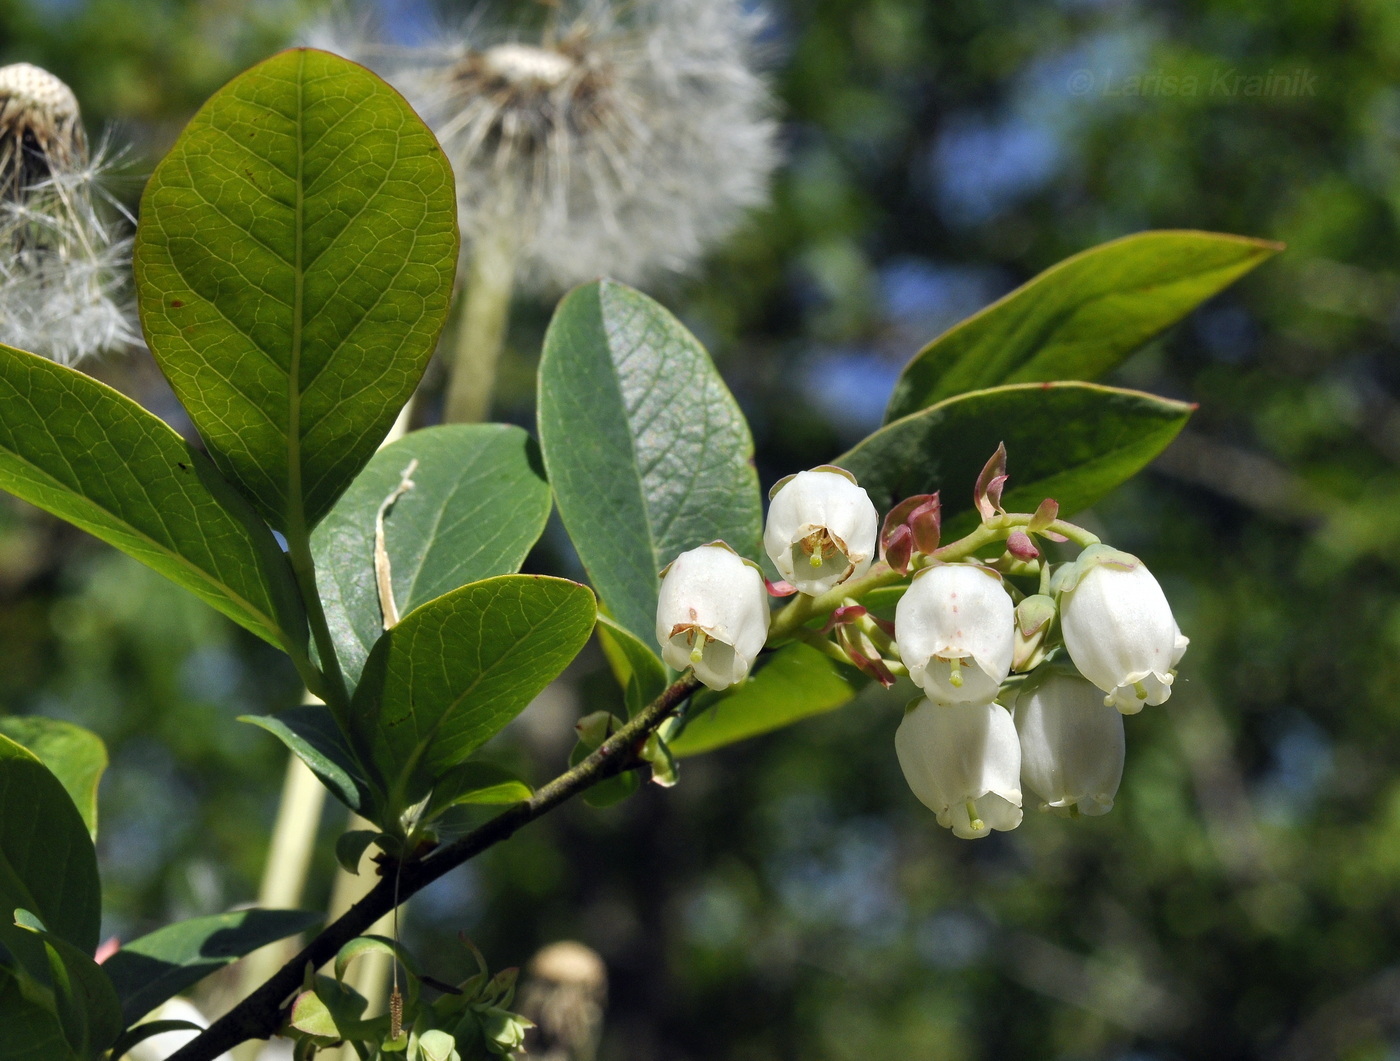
point(610, 791)
point(475, 783)
point(350, 848)
point(636, 666)
point(294, 262)
point(311, 733)
point(74, 755)
point(454, 671)
point(77, 448)
point(362, 945)
point(66, 982)
point(1071, 441)
point(47, 862)
point(158, 966)
point(647, 451)
point(795, 683)
point(478, 504)
point(1080, 318)
point(29, 1031)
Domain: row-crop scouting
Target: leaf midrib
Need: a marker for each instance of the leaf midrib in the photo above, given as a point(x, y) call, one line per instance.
point(296, 515)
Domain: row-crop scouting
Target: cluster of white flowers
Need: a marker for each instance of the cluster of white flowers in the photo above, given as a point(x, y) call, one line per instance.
point(1031, 692)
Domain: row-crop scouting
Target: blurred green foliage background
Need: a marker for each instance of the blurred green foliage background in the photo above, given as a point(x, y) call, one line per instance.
point(791, 899)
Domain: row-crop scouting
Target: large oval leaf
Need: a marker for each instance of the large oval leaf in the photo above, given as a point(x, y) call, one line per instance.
point(47, 862)
point(161, 964)
point(1080, 318)
point(294, 262)
point(76, 756)
point(1070, 441)
point(80, 450)
point(647, 451)
point(447, 678)
point(478, 504)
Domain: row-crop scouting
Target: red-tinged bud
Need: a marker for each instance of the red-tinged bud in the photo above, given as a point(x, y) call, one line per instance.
point(779, 589)
point(1045, 514)
point(926, 522)
point(899, 549)
point(1021, 547)
point(987, 494)
point(873, 666)
point(847, 613)
point(899, 515)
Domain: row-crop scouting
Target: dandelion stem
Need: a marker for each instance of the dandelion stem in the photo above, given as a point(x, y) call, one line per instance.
point(481, 329)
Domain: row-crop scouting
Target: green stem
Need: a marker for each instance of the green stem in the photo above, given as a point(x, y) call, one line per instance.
point(333, 690)
point(481, 330)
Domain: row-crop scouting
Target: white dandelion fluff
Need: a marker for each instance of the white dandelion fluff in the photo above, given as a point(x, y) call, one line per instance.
point(64, 261)
point(626, 139)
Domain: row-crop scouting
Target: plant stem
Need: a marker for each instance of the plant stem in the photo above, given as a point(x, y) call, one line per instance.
point(481, 330)
point(261, 1013)
point(304, 569)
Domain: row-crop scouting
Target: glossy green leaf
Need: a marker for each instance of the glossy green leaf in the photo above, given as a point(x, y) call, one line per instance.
point(66, 982)
point(1080, 318)
point(77, 448)
point(1071, 441)
point(76, 756)
point(453, 672)
point(794, 683)
point(647, 451)
point(47, 862)
point(161, 964)
point(478, 504)
point(635, 665)
point(294, 262)
point(29, 1031)
point(475, 783)
point(311, 734)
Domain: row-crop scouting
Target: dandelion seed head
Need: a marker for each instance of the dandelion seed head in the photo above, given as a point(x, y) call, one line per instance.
point(64, 251)
point(624, 140)
point(40, 127)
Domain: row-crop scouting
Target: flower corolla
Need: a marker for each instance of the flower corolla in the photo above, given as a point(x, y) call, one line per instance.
point(1119, 629)
point(821, 529)
point(955, 630)
point(1071, 743)
point(963, 761)
point(712, 614)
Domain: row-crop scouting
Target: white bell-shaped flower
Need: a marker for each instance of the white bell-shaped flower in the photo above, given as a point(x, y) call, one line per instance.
point(822, 529)
point(712, 614)
point(1071, 743)
point(955, 629)
point(963, 761)
point(1119, 629)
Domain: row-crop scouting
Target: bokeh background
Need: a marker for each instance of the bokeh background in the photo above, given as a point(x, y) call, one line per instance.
point(791, 899)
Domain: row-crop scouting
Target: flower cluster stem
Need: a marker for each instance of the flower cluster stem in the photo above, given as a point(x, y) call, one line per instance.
point(804, 608)
point(262, 1013)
